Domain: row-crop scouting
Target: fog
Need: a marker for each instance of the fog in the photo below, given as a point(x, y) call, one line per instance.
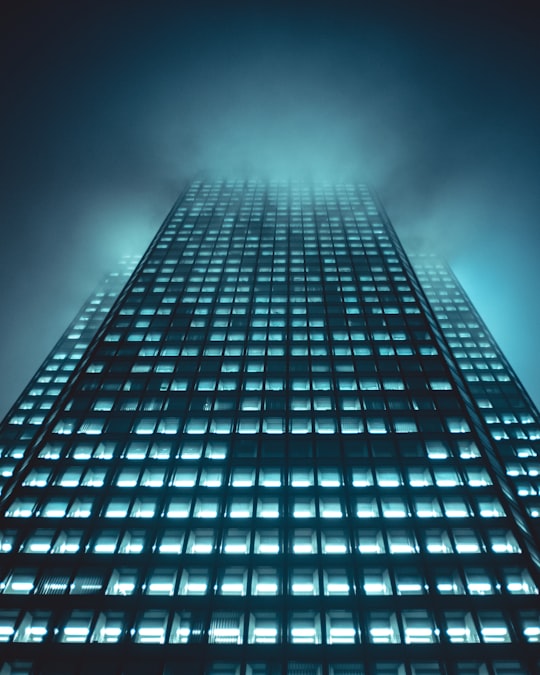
point(109, 111)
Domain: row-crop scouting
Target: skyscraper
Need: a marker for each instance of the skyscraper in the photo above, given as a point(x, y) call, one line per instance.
point(283, 452)
point(29, 411)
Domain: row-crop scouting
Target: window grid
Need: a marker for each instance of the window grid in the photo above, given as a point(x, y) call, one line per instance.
point(269, 446)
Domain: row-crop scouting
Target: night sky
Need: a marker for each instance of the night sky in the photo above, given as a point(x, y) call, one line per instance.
point(108, 108)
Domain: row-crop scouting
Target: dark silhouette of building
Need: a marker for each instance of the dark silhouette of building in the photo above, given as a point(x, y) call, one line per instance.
point(283, 452)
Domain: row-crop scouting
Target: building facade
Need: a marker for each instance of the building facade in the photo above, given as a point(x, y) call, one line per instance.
point(28, 413)
point(283, 452)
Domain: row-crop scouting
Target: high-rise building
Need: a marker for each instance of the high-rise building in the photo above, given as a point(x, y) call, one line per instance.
point(283, 452)
point(28, 413)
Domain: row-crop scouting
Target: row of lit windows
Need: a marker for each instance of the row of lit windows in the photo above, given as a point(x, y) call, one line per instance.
point(256, 402)
point(153, 474)
point(274, 220)
point(221, 377)
point(299, 231)
point(499, 434)
point(292, 272)
point(334, 627)
point(342, 334)
point(293, 292)
point(317, 380)
point(181, 507)
point(245, 206)
point(273, 448)
point(267, 507)
point(275, 424)
point(276, 245)
point(508, 418)
point(335, 315)
point(226, 348)
point(267, 541)
point(220, 348)
point(499, 377)
point(236, 259)
point(174, 337)
point(335, 256)
point(279, 248)
point(263, 581)
point(369, 268)
point(219, 264)
point(417, 475)
point(349, 305)
point(295, 282)
point(288, 232)
point(237, 335)
point(348, 313)
point(479, 366)
point(218, 450)
point(217, 258)
point(342, 327)
point(317, 322)
point(320, 378)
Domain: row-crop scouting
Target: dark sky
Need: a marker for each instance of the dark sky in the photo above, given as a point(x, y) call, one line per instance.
point(108, 108)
